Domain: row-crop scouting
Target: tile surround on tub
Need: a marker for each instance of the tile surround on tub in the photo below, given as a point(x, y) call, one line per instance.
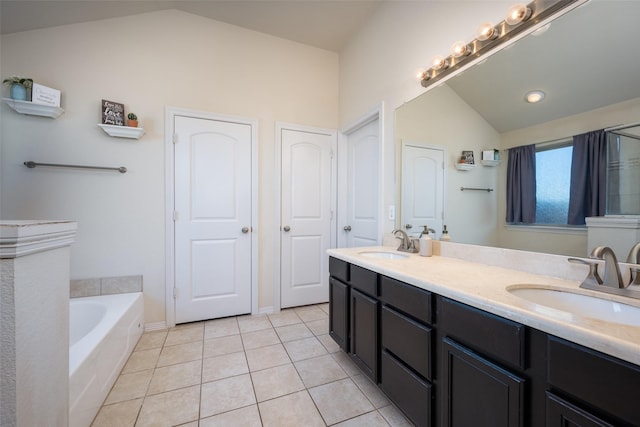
point(105, 286)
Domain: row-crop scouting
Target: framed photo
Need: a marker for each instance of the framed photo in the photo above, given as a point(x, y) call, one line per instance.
point(467, 155)
point(112, 113)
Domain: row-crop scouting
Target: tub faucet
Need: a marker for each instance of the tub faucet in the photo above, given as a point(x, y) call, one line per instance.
point(406, 243)
point(634, 258)
point(612, 276)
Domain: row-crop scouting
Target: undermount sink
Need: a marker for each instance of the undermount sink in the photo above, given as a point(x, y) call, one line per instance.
point(573, 303)
point(383, 255)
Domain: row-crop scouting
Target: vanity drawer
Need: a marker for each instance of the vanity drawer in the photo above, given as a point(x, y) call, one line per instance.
point(364, 280)
point(490, 335)
point(411, 393)
point(413, 301)
point(339, 269)
point(408, 340)
point(610, 384)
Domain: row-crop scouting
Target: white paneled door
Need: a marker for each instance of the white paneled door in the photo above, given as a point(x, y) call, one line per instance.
point(212, 218)
point(361, 226)
point(306, 192)
point(422, 188)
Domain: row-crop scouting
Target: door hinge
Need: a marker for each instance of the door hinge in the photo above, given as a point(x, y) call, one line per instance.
point(175, 215)
point(175, 138)
point(175, 292)
point(331, 154)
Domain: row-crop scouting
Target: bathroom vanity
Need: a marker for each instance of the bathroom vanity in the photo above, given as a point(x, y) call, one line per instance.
point(451, 342)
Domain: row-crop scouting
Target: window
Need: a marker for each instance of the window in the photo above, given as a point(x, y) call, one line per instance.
point(553, 179)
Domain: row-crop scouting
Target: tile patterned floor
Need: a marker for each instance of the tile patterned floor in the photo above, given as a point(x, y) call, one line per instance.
point(272, 370)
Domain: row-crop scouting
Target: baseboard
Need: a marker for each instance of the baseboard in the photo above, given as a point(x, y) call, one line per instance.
point(155, 326)
point(266, 310)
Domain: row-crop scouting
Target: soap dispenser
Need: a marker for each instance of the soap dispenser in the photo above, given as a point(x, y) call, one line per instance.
point(445, 235)
point(426, 248)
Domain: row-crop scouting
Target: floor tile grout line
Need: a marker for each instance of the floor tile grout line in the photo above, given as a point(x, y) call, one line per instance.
point(244, 351)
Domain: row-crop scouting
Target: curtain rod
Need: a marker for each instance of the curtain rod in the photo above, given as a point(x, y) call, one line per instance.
point(619, 127)
point(567, 138)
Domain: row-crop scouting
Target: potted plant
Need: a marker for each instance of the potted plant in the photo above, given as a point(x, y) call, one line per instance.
point(133, 120)
point(19, 86)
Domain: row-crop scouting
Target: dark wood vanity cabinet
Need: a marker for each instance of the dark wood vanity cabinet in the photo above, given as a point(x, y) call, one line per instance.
point(353, 314)
point(339, 302)
point(406, 368)
point(588, 385)
point(476, 391)
point(478, 387)
point(445, 363)
point(364, 347)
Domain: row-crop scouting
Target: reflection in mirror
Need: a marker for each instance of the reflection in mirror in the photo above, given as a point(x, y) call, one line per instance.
point(590, 81)
point(623, 171)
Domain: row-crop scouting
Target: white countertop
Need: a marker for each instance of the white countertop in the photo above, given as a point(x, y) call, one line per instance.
point(485, 287)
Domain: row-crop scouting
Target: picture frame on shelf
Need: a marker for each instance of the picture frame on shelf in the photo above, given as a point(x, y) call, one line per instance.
point(467, 156)
point(112, 113)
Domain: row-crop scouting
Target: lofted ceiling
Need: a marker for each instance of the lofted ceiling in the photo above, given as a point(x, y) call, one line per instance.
point(326, 24)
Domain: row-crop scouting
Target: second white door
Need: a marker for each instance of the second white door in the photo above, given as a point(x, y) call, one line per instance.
point(305, 230)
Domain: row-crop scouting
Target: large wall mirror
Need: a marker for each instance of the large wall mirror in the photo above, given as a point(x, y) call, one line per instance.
point(587, 65)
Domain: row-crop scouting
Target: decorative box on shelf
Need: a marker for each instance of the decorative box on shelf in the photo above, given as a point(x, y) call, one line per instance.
point(34, 109)
point(122, 131)
point(465, 166)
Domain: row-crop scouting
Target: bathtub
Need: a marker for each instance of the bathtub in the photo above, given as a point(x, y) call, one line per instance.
point(103, 331)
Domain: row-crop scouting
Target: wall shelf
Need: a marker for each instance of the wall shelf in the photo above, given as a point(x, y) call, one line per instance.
point(123, 131)
point(465, 166)
point(32, 109)
point(490, 163)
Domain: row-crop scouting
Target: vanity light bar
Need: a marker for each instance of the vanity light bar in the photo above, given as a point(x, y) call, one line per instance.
point(519, 18)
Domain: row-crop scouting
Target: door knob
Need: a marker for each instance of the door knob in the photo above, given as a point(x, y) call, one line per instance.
point(245, 230)
point(347, 228)
point(408, 226)
point(286, 228)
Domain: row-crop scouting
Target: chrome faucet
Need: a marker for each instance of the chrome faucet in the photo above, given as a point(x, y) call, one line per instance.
point(634, 258)
point(612, 276)
point(406, 243)
point(612, 281)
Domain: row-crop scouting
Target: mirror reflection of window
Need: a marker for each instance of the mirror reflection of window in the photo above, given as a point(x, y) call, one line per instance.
point(553, 179)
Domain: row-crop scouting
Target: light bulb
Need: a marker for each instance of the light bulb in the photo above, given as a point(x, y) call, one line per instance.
point(439, 63)
point(486, 31)
point(517, 13)
point(459, 49)
point(423, 74)
point(534, 96)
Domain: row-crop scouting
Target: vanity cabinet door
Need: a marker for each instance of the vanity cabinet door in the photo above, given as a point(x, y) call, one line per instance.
point(411, 393)
point(609, 385)
point(364, 333)
point(339, 313)
point(477, 392)
point(561, 413)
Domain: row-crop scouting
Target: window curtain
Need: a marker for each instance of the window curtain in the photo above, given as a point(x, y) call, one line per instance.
point(588, 177)
point(521, 185)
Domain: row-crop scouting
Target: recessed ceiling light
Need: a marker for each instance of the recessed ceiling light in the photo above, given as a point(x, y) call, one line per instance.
point(534, 96)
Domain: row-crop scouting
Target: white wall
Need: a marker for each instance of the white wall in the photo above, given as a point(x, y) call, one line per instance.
point(147, 62)
point(381, 63)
